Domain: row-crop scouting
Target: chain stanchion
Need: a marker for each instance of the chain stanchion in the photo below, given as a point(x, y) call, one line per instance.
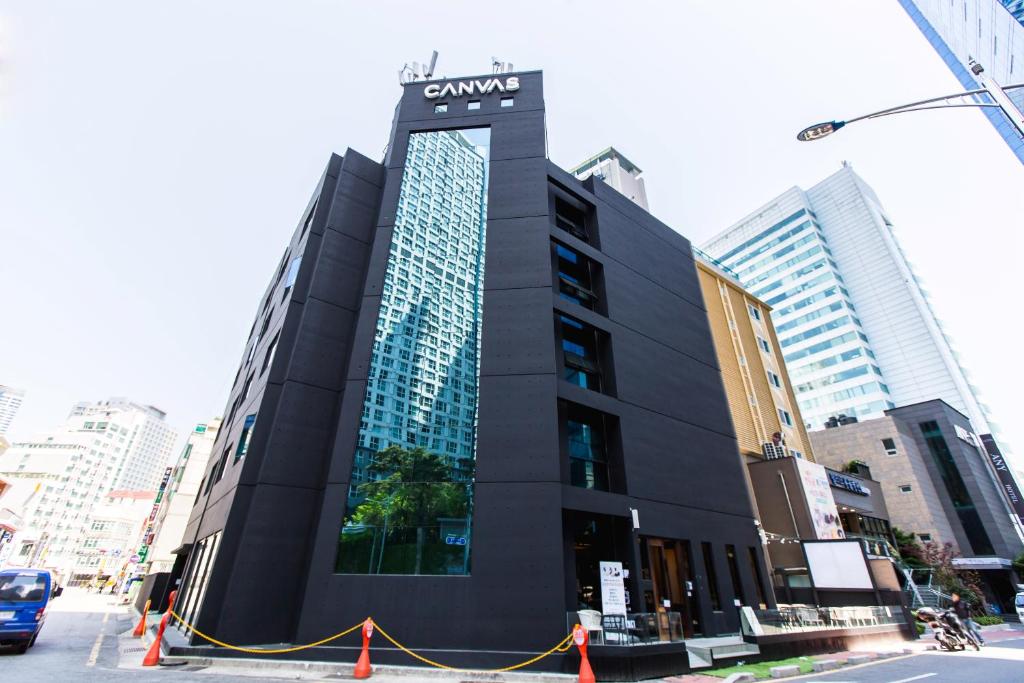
point(363, 668)
point(258, 650)
point(581, 638)
point(152, 657)
point(563, 646)
point(141, 627)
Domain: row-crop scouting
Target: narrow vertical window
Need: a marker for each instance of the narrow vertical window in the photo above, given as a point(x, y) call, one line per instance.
point(755, 571)
point(246, 436)
point(293, 273)
point(712, 576)
point(734, 573)
point(268, 358)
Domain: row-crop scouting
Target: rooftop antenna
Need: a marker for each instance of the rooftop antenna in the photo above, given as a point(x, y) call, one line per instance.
point(429, 73)
point(500, 67)
point(416, 71)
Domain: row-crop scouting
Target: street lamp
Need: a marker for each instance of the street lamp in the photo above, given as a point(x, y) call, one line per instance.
point(989, 87)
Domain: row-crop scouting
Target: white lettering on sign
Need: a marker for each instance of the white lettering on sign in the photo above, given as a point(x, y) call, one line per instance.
point(485, 87)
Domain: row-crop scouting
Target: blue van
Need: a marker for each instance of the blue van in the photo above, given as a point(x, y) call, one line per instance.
point(24, 594)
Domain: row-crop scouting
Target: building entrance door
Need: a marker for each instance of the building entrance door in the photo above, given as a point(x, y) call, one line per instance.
point(673, 582)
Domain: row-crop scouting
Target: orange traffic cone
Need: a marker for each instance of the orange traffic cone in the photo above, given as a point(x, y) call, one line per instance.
point(152, 657)
point(363, 669)
point(141, 628)
point(581, 638)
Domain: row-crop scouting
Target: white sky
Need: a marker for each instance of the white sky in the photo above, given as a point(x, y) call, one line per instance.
point(154, 160)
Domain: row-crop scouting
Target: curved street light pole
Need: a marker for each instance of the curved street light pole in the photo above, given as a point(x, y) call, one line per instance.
point(990, 88)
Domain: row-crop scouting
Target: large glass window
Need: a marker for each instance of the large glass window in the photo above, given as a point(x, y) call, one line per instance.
point(409, 508)
point(575, 277)
point(587, 446)
point(957, 489)
point(570, 214)
point(582, 350)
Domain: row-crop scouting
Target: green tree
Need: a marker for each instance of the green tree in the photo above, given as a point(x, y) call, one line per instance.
point(412, 489)
point(909, 548)
point(949, 577)
point(1018, 565)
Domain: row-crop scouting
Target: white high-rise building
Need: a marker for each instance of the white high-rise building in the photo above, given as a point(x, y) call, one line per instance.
point(618, 171)
point(857, 332)
point(138, 433)
point(102, 447)
point(10, 401)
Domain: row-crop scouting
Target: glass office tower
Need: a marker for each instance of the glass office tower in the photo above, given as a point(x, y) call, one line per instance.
point(989, 31)
point(856, 329)
point(782, 256)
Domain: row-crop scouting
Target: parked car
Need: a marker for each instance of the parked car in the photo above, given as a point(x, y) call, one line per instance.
point(1018, 603)
point(24, 595)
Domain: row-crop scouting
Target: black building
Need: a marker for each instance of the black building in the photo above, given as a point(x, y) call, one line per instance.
point(468, 371)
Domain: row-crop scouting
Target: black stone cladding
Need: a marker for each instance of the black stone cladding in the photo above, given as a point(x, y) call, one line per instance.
point(280, 508)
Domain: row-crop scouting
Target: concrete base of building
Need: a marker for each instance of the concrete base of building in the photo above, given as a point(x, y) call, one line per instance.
point(808, 643)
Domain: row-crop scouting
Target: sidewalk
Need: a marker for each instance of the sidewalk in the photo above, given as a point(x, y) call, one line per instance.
point(992, 634)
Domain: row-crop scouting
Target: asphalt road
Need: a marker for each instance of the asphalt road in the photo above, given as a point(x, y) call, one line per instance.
point(1001, 662)
point(79, 642)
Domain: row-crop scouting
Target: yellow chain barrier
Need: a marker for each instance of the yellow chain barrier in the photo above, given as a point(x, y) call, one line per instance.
point(256, 650)
point(563, 646)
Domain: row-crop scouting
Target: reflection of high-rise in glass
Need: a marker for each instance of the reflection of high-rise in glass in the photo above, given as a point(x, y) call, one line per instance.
point(422, 388)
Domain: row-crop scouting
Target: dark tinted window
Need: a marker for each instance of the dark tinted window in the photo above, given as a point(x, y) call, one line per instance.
point(22, 587)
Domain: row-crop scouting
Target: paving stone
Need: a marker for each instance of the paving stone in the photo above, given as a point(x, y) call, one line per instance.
point(783, 671)
point(741, 678)
point(824, 665)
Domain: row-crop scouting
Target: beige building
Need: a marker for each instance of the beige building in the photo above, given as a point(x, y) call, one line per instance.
point(757, 386)
point(887, 446)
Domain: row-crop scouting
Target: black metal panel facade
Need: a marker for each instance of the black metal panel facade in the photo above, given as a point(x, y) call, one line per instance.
point(672, 451)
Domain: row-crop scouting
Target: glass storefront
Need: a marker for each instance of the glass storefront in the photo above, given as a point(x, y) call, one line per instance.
point(410, 500)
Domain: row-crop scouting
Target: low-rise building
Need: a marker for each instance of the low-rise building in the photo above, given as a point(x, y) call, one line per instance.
point(938, 482)
point(162, 540)
point(108, 547)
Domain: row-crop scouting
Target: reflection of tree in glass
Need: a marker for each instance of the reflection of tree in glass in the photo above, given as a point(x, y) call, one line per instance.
point(412, 489)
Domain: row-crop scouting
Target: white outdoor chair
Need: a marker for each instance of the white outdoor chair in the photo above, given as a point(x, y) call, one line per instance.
point(590, 619)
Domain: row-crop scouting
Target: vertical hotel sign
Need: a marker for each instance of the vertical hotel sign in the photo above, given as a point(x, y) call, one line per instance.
point(820, 503)
point(1010, 488)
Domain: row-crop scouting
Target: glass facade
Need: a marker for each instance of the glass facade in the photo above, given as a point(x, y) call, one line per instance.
point(410, 500)
point(990, 31)
point(964, 505)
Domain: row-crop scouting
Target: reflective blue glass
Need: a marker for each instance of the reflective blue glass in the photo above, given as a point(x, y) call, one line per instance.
point(409, 508)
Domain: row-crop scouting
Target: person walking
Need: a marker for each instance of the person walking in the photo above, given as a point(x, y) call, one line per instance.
point(963, 611)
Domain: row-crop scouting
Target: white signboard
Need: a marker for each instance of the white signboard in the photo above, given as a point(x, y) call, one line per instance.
point(613, 591)
point(820, 502)
point(837, 565)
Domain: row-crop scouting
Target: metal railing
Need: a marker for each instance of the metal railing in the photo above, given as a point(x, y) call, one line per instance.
point(792, 618)
point(635, 628)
